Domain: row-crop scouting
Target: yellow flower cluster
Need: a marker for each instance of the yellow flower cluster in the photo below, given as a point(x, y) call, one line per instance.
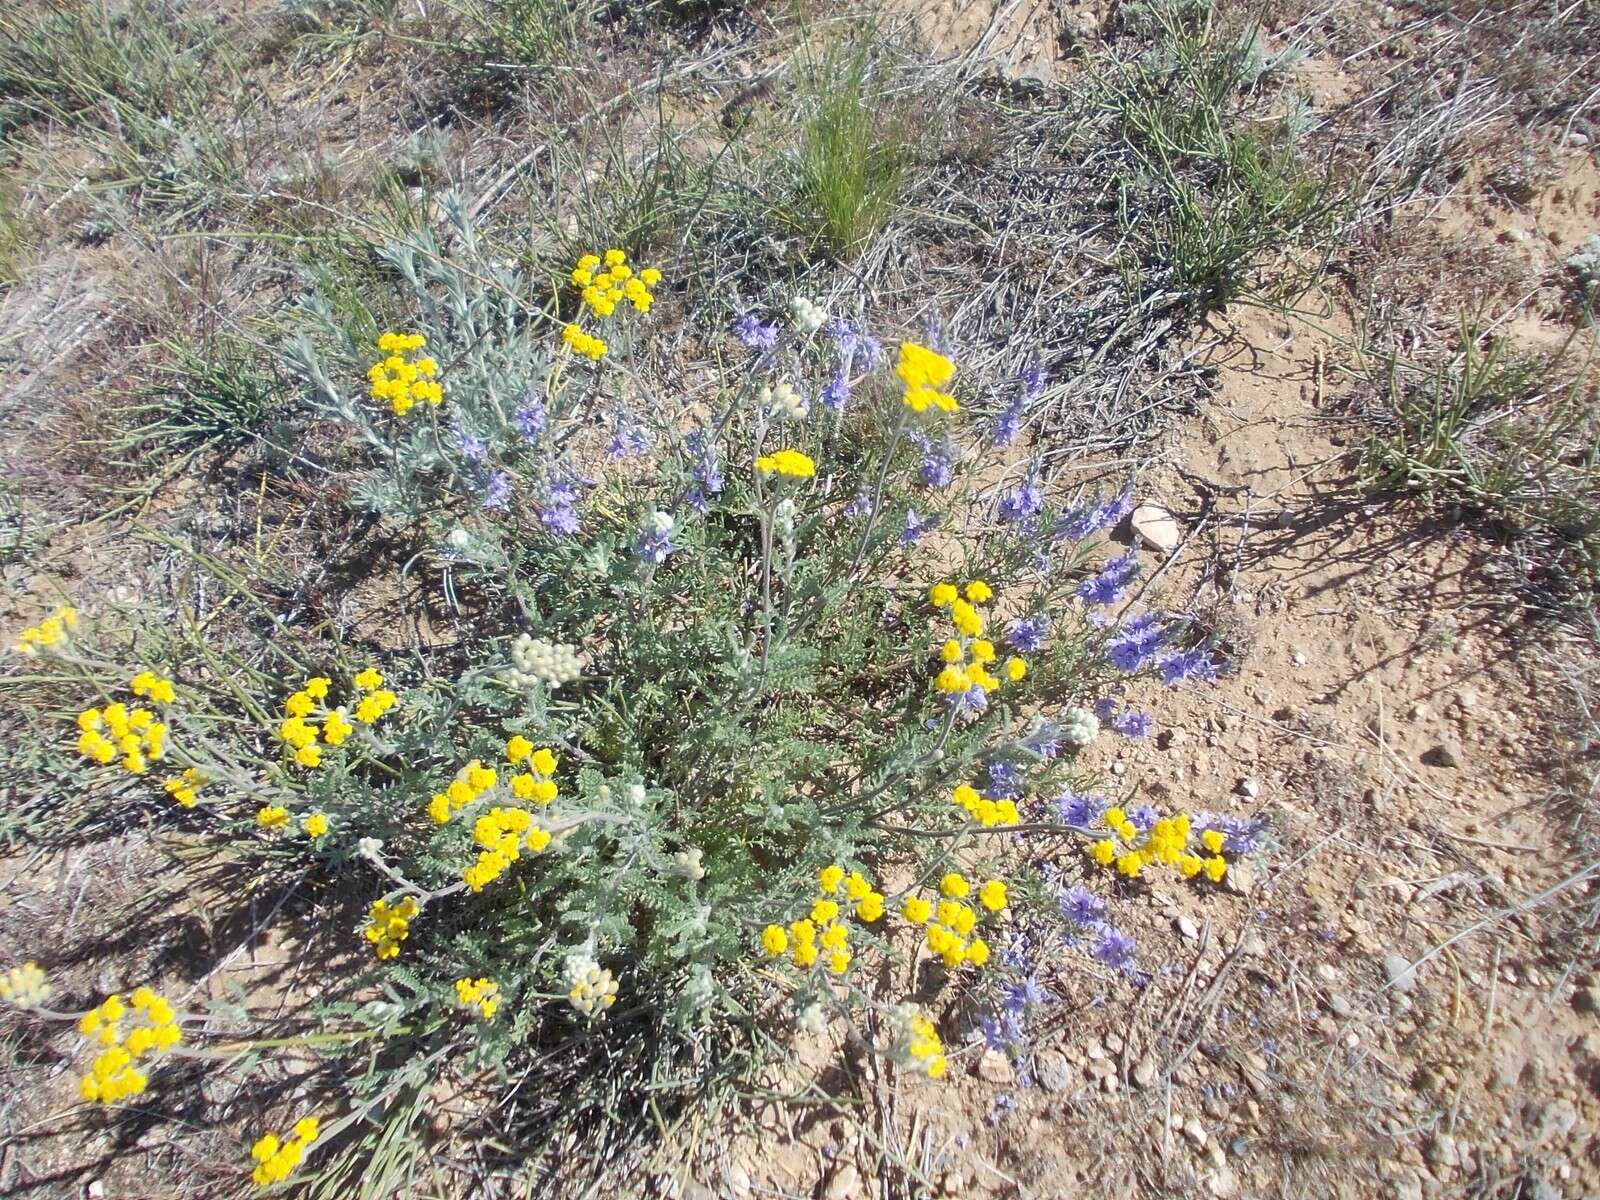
point(104, 733)
point(471, 781)
point(586, 344)
point(981, 809)
point(276, 1160)
point(51, 631)
point(402, 379)
point(1130, 850)
point(24, 986)
point(150, 686)
point(503, 833)
point(474, 779)
point(916, 1043)
point(272, 816)
point(604, 289)
point(315, 824)
point(821, 931)
point(185, 788)
point(481, 994)
point(951, 921)
point(308, 716)
point(925, 372)
point(390, 924)
point(968, 656)
point(152, 1026)
point(791, 464)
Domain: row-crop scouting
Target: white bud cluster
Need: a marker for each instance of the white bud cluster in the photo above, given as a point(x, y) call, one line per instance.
point(688, 863)
point(812, 1019)
point(808, 315)
point(1079, 727)
point(535, 660)
point(591, 989)
point(784, 402)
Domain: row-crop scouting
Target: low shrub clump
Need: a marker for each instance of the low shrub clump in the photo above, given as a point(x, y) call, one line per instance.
point(753, 703)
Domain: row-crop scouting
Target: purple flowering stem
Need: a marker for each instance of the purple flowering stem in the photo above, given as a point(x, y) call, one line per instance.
point(877, 495)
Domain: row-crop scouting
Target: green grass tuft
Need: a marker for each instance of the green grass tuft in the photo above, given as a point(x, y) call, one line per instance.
point(854, 153)
point(1506, 437)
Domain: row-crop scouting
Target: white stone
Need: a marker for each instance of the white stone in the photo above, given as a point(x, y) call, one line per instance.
point(1156, 527)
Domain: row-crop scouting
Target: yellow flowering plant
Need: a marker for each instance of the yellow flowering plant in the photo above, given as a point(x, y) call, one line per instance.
point(735, 709)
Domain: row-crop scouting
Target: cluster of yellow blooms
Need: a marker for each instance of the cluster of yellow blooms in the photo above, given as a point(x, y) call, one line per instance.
point(275, 816)
point(51, 631)
point(275, 1159)
point(925, 372)
point(791, 464)
point(152, 1028)
point(307, 715)
point(25, 986)
point(1130, 850)
point(401, 379)
point(474, 779)
point(821, 930)
point(604, 290)
point(390, 924)
point(503, 833)
point(150, 686)
point(916, 1043)
point(950, 920)
point(481, 994)
point(968, 656)
point(185, 788)
point(586, 344)
point(981, 809)
point(104, 733)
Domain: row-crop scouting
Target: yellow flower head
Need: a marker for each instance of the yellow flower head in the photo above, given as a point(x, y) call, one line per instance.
point(830, 877)
point(790, 464)
point(992, 895)
point(954, 885)
point(774, 940)
point(942, 595)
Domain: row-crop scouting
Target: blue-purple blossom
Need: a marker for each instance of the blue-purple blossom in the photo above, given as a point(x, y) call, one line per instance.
point(1136, 643)
point(756, 335)
point(1091, 518)
point(1005, 780)
point(1022, 501)
point(1143, 817)
point(559, 512)
point(529, 419)
point(835, 393)
point(853, 341)
point(938, 468)
point(1000, 1031)
point(1183, 665)
point(708, 479)
point(653, 546)
point(497, 489)
point(473, 448)
point(1007, 425)
point(1080, 809)
point(974, 700)
point(1027, 636)
point(1107, 585)
point(1081, 906)
point(1033, 378)
point(628, 438)
point(1044, 740)
point(912, 533)
point(1127, 722)
point(1133, 724)
point(860, 506)
point(1113, 948)
point(1241, 835)
point(1029, 993)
